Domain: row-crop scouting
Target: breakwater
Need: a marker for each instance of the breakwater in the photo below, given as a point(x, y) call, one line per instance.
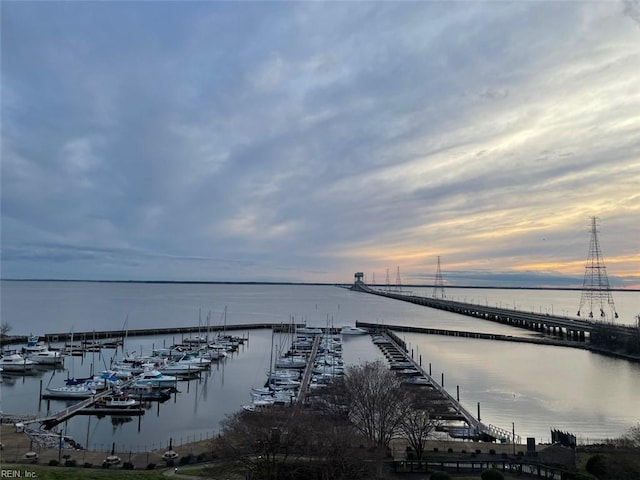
point(109, 334)
point(501, 337)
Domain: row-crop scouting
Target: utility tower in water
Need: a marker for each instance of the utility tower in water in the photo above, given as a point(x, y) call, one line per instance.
point(596, 292)
point(438, 288)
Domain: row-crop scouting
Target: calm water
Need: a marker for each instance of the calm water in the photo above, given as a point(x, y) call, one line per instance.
point(536, 387)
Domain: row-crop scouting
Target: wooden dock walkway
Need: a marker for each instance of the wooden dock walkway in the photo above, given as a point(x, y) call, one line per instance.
point(305, 383)
point(446, 407)
point(52, 420)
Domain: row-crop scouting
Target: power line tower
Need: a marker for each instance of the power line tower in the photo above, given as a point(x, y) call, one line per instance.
point(388, 282)
point(596, 292)
point(398, 282)
point(438, 288)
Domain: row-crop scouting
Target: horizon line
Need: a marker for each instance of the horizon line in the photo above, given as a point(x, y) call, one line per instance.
point(256, 282)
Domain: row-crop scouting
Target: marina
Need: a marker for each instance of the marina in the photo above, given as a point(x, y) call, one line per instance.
point(510, 379)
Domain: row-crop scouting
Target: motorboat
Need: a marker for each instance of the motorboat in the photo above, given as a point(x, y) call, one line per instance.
point(118, 400)
point(309, 331)
point(197, 339)
point(34, 345)
point(294, 361)
point(284, 374)
point(82, 390)
point(118, 374)
point(178, 368)
point(199, 361)
point(218, 352)
point(16, 363)
point(258, 404)
point(147, 393)
point(156, 379)
point(349, 330)
point(47, 357)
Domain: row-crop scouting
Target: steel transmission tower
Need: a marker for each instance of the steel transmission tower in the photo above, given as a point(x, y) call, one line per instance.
point(596, 292)
point(398, 282)
point(388, 282)
point(438, 289)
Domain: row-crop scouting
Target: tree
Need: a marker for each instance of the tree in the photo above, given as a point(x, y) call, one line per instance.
point(261, 442)
point(289, 443)
point(376, 402)
point(5, 328)
point(417, 425)
point(632, 438)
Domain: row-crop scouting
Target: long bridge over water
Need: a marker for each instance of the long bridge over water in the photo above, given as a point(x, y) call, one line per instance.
point(558, 330)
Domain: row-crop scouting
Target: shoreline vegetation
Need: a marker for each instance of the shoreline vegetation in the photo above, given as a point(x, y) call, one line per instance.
point(202, 460)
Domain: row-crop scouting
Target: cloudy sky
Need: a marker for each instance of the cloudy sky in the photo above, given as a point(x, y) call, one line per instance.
point(305, 141)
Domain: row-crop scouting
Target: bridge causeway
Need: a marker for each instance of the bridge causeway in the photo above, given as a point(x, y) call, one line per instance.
point(571, 330)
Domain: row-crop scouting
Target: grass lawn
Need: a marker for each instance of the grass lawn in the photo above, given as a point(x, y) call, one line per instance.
point(42, 472)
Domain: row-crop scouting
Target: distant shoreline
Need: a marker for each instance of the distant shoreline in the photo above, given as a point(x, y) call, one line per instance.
point(245, 282)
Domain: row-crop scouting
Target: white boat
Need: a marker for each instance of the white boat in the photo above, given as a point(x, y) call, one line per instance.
point(196, 360)
point(117, 401)
point(197, 339)
point(129, 369)
point(16, 363)
point(294, 361)
point(83, 390)
point(120, 374)
point(156, 379)
point(349, 330)
point(284, 374)
point(215, 354)
point(309, 331)
point(258, 404)
point(328, 370)
point(177, 368)
point(328, 359)
point(47, 357)
point(34, 345)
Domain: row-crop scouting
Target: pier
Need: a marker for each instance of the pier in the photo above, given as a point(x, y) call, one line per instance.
point(476, 335)
point(305, 383)
point(572, 330)
point(444, 406)
point(121, 334)
point(79, 408)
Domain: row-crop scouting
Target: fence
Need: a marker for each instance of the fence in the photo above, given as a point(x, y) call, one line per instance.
point(168, 444)
point(470, 466)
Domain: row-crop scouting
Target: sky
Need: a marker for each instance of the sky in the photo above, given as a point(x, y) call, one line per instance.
point(306, 141)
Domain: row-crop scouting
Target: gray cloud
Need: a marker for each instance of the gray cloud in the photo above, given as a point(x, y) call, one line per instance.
point(305, 141)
